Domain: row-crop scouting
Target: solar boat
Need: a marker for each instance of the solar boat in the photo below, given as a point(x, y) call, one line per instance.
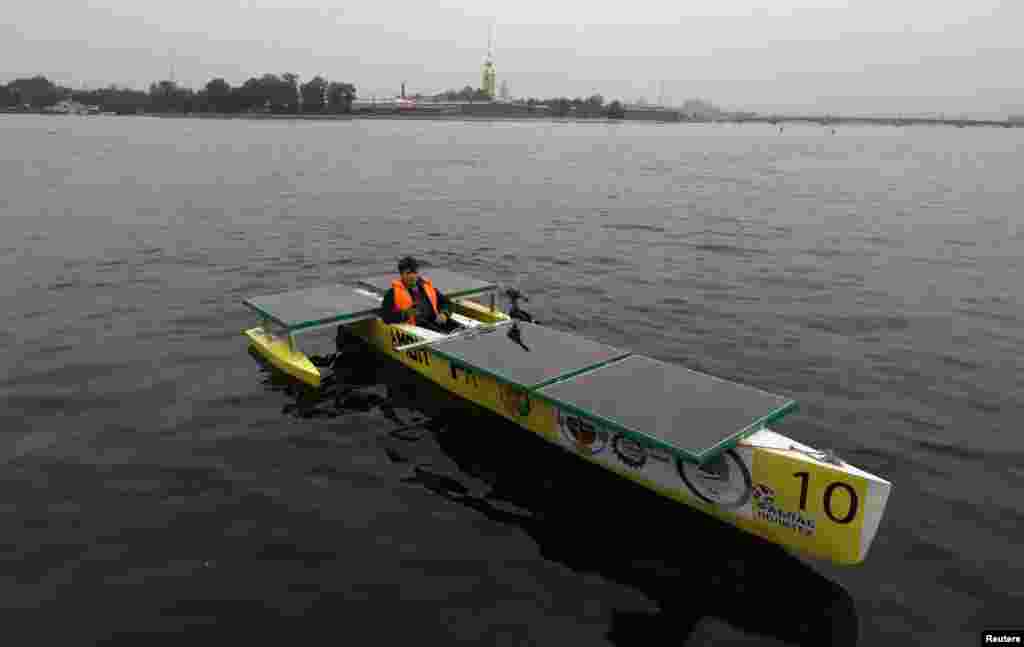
point(691, 437)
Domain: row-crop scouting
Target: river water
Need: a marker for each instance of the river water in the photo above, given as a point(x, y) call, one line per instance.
point(159, 484)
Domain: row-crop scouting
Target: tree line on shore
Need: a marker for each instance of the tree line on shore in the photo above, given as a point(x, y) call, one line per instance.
point(271, 93)
point(268, 93)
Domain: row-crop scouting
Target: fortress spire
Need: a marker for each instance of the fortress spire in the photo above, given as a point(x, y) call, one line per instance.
point(489, 76)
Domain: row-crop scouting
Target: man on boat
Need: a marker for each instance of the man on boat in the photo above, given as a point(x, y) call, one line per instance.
point(413, 299)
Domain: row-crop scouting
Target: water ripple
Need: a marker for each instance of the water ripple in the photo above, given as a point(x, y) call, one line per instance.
point(834, 271)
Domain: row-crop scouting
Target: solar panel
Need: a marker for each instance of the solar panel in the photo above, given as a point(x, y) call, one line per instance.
point(698, 414)
point(551, 354)
point(317, 306)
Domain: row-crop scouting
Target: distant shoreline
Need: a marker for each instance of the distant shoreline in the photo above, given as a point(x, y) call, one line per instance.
point(413, 116)
point(826, 121)
point(774, 120)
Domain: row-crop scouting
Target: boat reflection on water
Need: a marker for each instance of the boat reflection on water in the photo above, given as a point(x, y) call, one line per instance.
point(693, 567)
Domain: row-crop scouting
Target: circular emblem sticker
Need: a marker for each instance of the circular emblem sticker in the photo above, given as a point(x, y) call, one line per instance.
point(723, 481)
point(582, 435)
point(629, 451)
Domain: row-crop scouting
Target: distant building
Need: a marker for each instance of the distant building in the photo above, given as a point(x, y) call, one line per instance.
point(68, 107)
point(496, 109)
point(650, 113)
point(387, 104)
point(699, 110)
point(489, 76)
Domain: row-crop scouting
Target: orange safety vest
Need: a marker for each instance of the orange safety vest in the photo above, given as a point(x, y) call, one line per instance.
point(403, 299)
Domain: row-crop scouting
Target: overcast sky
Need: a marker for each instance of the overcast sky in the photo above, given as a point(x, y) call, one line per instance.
point(852, 56)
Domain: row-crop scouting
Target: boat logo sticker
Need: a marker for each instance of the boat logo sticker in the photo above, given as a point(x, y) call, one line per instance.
point(723, 481)
point(658, 454)
point(766, 509)
point(629, 451)
point(514, 400)
point(764, 496)
point(582, 435)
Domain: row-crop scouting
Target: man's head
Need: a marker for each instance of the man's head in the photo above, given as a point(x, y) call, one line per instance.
point(408, 268)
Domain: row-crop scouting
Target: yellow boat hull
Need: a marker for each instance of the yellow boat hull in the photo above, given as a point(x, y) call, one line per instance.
point(770, 486)
point(278, 351)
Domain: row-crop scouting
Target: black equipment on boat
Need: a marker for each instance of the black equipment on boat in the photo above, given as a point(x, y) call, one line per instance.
point(513, 295)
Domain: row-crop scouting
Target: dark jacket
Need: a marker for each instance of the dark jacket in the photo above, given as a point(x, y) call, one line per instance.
point(392, 316)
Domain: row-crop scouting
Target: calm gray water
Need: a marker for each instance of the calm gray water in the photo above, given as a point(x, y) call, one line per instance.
point(157, 481)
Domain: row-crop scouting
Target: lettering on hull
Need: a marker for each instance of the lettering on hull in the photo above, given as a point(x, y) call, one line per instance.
point(400, 338)
point(464, 375)
point(766, 509)
point(514, 400)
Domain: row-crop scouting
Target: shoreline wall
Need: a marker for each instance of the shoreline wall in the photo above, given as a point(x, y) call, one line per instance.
point(648, 117)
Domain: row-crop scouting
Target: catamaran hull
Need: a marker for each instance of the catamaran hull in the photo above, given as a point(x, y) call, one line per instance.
point(279, 352)
point(768, 485)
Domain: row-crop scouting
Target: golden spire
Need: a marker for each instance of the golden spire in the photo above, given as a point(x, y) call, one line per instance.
point(489, 75)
